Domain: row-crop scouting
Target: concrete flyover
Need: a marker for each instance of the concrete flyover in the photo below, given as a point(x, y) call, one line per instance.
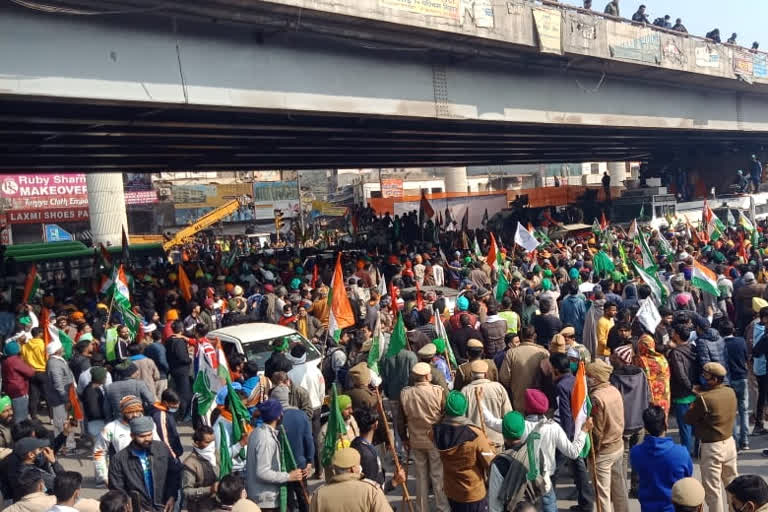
point(316, 83)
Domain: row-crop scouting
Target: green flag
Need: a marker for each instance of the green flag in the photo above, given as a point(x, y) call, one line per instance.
point(232, 257)
point(665, 247)
point(650, 278)
point(375, 354)
point(397, 341)
point(67, 344)
point(111, 342)
point(477, 249)
point(602, 264)
point(205, 395)
point(335, 428)
point(130, 319)
point(502, 285)
point(240, 415)
point(287, 464)
point(225, 459)
point(648, 260)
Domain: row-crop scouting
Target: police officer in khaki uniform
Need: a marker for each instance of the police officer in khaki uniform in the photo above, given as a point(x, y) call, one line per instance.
point(475, 351)
point(426, 354)
point(687, 495)
point(712, 415)
point(347, 491)
point(421, 406)
point(484, 395)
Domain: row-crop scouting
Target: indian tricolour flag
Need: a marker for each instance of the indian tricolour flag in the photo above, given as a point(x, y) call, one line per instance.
point(121, 285)
point(31, 284)
point(581, 406)
point(341, 315)
point(704, 279)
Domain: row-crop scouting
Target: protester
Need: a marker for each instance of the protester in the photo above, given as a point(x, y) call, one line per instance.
point(199, 478)
point(145, 461)
point(659, 463)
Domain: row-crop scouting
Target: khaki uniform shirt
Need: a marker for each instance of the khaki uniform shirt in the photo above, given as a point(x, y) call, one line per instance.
point(421, 406)
point(494, 400)
point(522, 362)
point(347, 492)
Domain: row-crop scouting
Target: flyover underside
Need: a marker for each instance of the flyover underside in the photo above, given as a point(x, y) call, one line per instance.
point(89, 94)
point(41, 135)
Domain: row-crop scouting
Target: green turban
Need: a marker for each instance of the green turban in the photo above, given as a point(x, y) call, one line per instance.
point(440, 345)
point(547, 273)
point(295, 283)
point(573, 273)
point(5, 402)
point(536, 269)
point(513, 425)
point(343, 401)
point(546, 284)
point(468, 260)
point(617, 276)
point(25, 320)
point(456, 404)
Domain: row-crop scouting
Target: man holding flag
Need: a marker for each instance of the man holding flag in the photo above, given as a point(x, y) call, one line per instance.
point(264, 471)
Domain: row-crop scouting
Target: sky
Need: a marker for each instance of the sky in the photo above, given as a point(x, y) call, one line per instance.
point(745, 17)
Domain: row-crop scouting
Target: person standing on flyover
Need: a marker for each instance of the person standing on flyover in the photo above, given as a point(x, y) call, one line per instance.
point(756, 173)
point(612, 8)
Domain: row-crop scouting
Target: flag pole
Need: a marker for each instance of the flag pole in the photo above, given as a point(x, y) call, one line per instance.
point(594, 472)
point(391, 444)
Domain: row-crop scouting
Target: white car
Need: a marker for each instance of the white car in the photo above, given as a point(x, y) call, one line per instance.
point(254, 341)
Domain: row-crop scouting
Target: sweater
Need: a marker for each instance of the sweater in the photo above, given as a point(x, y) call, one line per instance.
point(298, 429)
point(264, 477)
point(633, 386)
point(16, 376)
point(659, 462)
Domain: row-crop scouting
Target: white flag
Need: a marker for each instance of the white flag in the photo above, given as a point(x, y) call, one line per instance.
point(648, 315)
point(633, 232)
point(525, 239)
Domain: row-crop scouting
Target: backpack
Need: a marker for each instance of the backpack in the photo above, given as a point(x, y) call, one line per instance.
point(522, 473)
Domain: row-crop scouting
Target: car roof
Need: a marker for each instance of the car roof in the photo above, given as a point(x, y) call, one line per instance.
point(254, 331)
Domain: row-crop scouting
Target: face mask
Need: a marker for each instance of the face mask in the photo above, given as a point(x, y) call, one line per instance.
point(574, 366)
point(208, 453)
point(173, 410)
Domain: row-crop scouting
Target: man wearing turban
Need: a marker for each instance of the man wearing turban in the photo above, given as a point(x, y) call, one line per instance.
point(116, 435)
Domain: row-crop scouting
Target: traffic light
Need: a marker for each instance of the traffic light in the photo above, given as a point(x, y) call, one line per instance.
point(278, 220)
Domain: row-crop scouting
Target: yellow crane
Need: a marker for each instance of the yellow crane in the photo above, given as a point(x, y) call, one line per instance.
point(206, 221)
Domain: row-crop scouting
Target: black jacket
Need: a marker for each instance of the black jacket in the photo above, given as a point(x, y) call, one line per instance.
point(178, 356)
point(369, 460)
point(95, 404)
point(125, 473)
point(13, 468)
point(277, 362)
point(78, 364)
point(683, 370)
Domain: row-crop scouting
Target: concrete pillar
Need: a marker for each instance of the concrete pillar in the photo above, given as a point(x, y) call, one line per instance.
point(106, 207)
point(455, 179)
point(618, 173)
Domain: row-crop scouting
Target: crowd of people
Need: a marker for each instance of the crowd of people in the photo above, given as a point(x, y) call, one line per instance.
point(490, 370)
point(641, 16)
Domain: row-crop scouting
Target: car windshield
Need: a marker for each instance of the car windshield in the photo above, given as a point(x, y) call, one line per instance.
point(260, 350)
